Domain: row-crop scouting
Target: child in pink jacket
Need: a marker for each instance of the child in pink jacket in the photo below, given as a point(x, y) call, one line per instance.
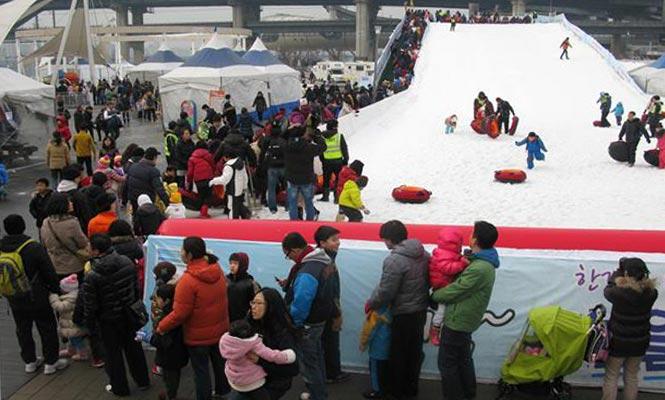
point(245, 376)
point(446, 263)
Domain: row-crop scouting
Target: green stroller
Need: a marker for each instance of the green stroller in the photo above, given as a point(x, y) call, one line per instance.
point(553, 344)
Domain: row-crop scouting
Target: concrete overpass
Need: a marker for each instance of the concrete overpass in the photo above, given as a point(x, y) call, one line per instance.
point(247, 14)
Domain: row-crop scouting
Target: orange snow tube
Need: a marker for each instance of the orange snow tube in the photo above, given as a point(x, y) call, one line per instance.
point(477, 126)
point(411, 194)
point(493, 128)
point(510, 175)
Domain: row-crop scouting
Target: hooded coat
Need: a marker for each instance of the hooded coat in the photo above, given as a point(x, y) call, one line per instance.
point(65, 242)
point(404, 284)
point(200, 166)
point(147, 219)
point(241, 289)
point(630, 326)
point(447, 261)
point(311, 296)
point(350, 172)
point(64, 306)
point(200, 304)
point(243, 375)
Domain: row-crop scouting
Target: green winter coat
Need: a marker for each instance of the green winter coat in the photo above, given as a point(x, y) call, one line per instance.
point(466, 299)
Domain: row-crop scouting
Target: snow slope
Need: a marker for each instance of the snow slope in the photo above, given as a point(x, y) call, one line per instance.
point(401, 139)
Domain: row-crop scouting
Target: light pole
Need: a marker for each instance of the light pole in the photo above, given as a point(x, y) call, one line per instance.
point(377, 34)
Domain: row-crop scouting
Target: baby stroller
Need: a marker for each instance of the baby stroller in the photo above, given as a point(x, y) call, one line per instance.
point(553, 344)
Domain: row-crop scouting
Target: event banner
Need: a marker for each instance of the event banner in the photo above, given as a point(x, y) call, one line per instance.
point(526, 279)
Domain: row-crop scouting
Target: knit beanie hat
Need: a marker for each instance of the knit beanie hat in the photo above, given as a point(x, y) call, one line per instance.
point(69, 284)
point(357, 166)
point(104, 162)
point(143, 199)
point(243, 261)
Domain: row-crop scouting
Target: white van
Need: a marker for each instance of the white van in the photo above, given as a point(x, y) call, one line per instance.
point(334, 71)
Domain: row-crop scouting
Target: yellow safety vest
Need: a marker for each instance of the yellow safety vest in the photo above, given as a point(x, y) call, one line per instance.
point(333, 147)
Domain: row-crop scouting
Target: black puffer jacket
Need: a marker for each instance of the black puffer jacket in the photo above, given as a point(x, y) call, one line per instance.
point(183, 150)
point(144, 178)
point(38, 268)
point(630, 325)
point(299, 159)
point(240, 289)
point(633, 130)
point(128, 246)
point(109, 288)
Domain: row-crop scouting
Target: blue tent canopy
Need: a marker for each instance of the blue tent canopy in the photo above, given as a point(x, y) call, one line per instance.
point(659, 63)
point(214, 58)
point(164, 56)
point(261, 58)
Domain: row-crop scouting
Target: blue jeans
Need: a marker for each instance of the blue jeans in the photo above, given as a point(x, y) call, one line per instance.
point(274, 176)
point(537, 155)
point(307, 192)
point(309, 351)
point(458, 375)
point(450, 129)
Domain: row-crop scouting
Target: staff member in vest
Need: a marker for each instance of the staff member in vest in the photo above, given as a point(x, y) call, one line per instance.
point(170, 142)
point(334, 158)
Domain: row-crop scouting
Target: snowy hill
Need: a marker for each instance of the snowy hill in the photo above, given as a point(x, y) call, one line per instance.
point(401, 139)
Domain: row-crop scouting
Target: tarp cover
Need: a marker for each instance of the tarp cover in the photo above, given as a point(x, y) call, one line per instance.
point(21, 90)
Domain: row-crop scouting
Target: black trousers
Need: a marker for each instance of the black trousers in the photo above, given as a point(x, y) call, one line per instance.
point(603, 117)
point(238, 209)
point(406, 354)
point(171, 379)
point(205, 191)
point(330, 341)
point(330, 167)
point(351, 213)
point(505, 123)
point(564, 53)
point(44, 318)
point(87, 162)
point(201, 357)
point(118, 339)
point(458, 376)
point(632, 149)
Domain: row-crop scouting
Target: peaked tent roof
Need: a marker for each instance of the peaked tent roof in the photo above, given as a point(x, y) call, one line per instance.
point(659, 63)
point(34, 95)
point(76, 45)
point(164, 55)
point(215, 54)
point(259, 55)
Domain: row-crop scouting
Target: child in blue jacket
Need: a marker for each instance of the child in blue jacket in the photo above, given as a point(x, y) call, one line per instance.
point(375, 336)
point(534, 148)
point(4, 180)
point(618, 112)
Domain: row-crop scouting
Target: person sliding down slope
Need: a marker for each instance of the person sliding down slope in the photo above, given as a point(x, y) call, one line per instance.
point(534, 148)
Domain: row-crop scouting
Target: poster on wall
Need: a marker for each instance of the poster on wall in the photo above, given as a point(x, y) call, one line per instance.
point(216, 99)
point(525, 279)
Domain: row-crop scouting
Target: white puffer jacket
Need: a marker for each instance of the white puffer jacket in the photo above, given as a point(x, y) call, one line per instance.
point(64, 305)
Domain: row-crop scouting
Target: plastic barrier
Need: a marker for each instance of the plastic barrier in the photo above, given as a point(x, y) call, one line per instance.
point(539, 267)
point(588, 39)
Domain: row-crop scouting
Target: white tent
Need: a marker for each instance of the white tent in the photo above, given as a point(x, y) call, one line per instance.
point(25, 106)
point(206, 77)
point(284, 81)
point(19, 90)
point(651, 77)
point(158, 64)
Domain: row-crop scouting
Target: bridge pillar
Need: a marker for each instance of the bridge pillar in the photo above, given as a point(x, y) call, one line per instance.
point(122, 19)
point(366, 12)
point(138, 47)
point(662, 12)
point(519, 7)
point(474, 8)
point(618, 45)
point(245, 11)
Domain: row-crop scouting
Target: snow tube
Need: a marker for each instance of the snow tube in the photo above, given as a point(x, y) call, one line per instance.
point(513, 125)
point(618, 151)
point(411, 194)
point(596, 124)
point(651, 156)
point(477, 126)
point(281, 198)
point(493, 128)
point(510, 175)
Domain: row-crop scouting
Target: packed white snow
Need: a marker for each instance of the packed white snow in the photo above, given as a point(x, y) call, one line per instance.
point(401, 140)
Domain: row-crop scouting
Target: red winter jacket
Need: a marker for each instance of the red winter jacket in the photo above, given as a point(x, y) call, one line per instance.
point(345, 175)
point(447, 261)
point(200, 304)
point(200, 166)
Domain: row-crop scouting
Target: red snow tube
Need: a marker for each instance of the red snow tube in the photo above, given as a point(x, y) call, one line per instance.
point(477, 126)
point(493, 128)
point(510, 175)
point(411, 194)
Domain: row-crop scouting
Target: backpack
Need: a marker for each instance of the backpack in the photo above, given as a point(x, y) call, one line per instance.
point(13, 279)
point(274, 152)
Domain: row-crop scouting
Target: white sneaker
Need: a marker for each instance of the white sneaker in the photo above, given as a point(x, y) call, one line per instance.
point(32, 367)
point(304, 396)
point(50, 369)
point(108, 388)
